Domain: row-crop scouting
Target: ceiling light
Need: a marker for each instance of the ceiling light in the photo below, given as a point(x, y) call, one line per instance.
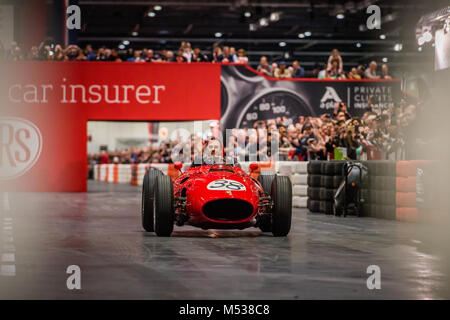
point(126, 42)
point(252, 27)
point(274, 16)
point(218, 34)
point(421, 40)
point(308, 33)
point(247, 14)
point(134, 34)
point(398, 47)
point(301, 35)
point(358, 45)
point(382, 36)
point(385, 59)
point(419, 48)
point(121, 47)
point(151, 14)
point(263, 22)
point(157, 7)
point(282, 44)
point(340, 16)
point(427, 36)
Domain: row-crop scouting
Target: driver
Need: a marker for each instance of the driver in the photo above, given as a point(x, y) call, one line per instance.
point(213, 153)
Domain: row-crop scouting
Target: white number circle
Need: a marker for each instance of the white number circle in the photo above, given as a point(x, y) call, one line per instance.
point(225, 184)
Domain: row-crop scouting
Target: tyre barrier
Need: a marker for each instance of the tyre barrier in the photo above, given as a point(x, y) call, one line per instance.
point(323, 180)
point(134, 174)
point(389, 192)
point(409, 187)
point(377, 192)
point(298, 172)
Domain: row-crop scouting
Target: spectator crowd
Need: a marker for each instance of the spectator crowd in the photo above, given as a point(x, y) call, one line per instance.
point(378, 134)
point(332, 69)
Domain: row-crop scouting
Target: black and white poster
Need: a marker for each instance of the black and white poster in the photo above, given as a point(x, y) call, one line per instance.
point(247, 97)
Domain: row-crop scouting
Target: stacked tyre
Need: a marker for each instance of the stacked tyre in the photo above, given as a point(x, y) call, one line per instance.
point(299, 178)
point(314, 183)
point(380, 192)
point(324, 178)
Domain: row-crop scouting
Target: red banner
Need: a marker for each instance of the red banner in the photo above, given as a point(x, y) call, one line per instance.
point(47, 104)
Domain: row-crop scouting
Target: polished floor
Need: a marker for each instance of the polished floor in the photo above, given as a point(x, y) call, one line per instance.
point(324, 257)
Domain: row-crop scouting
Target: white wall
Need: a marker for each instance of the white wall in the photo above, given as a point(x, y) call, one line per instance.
point(111, 133)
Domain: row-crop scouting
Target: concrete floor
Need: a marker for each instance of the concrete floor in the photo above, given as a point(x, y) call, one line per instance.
point(324, 257)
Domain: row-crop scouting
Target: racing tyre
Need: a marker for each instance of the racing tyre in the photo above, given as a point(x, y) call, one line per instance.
point(314, 167)
point(314, 180)
point(313, 205)
point(147, 198)
point(163, 206)
point(328, 168)
point(266, 181)
point(282, 206)
point(313, 193)
point(337, 181)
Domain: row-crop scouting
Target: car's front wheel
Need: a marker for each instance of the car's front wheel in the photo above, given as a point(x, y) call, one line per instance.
point(148, 185)
point(163, 206)
point(266, 181)
point(281, 195)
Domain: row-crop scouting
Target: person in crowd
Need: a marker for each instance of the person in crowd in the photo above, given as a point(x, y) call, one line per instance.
point(137, 57)
point(323, 72)
point(334, 72)
point(360, 71)
point(114, 56)
point(167, 56)
point(34, 53)
point(101, 54)
point(74, 53)
point(353, 74)
point(297, 70)
point(226, 56)
point(180, 58)
point(241, 58)
point(15, 53)
point(264, 67)
point(385, 72)
point(333, 57)
point(149, 56)
point(371, 71)
point(233, 54)
point(198, 56)
point(89, 53)
point(282, 71)
point(216, 52)
point(187, 51)
point(314, 73)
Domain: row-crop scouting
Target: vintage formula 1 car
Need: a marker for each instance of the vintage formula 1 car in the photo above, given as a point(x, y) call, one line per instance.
point(218, 196)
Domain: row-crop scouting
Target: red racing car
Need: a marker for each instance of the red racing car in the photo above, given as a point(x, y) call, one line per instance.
point(217, 196)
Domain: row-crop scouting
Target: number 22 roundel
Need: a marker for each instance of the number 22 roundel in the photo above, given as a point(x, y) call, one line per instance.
point(225, 184)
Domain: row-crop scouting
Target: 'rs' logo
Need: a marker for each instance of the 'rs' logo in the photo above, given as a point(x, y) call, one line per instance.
point(20, 147)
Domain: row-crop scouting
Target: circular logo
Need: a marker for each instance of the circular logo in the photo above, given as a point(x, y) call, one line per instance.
point(20, 147)
point(226, 185)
